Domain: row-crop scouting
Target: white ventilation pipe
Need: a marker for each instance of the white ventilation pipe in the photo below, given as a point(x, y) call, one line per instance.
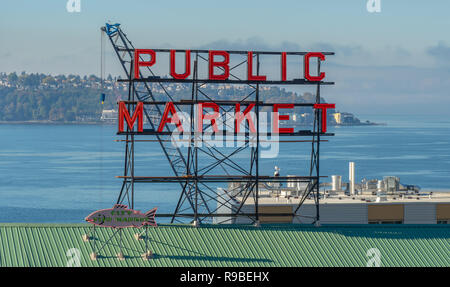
point(351, 177)
point(336, 183)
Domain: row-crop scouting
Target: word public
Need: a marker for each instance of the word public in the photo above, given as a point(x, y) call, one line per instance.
point(221, 60)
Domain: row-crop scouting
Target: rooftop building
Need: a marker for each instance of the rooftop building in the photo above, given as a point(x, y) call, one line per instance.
point(230, 245)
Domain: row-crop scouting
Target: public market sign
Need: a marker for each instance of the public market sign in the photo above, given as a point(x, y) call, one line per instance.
point(219, 70)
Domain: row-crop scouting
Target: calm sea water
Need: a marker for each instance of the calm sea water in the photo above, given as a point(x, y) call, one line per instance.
point(60, 173)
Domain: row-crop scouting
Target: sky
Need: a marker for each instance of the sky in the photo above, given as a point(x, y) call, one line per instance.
point(396, 61)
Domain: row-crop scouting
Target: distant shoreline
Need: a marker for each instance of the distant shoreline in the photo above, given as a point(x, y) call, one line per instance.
point(48, 122)
point(360, 124)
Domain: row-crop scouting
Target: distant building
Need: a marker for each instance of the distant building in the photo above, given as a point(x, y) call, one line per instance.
point(337, 118)
point(348, 118)
point(109, 115)
point(344, 118)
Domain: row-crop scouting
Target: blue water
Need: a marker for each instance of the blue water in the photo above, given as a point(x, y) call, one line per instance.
point(60, 173)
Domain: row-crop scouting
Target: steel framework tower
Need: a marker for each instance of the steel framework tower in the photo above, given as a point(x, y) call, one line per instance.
point(199, 168)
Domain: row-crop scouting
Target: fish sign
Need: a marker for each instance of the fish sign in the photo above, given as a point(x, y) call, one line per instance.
point(120, 216)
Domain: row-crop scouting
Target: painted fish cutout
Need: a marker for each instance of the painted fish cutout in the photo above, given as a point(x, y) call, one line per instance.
point(120, 216)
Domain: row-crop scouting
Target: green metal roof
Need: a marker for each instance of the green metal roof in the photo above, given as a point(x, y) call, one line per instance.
point(231, 245)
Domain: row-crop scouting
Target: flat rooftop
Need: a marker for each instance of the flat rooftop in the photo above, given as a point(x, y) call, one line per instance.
point(440, 197)
point(230, 245)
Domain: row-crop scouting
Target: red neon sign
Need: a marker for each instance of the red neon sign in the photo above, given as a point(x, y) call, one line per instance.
point(138, 63)
point(324, 108)
point(277, 117)
point(187, 68)
point(283, 66)
point(239, 117)
point(213, 117)
point(321, 57)
point(201, 116)
point(173, 120)
point(250, 75)
point(224, 65)
point(137, 115)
